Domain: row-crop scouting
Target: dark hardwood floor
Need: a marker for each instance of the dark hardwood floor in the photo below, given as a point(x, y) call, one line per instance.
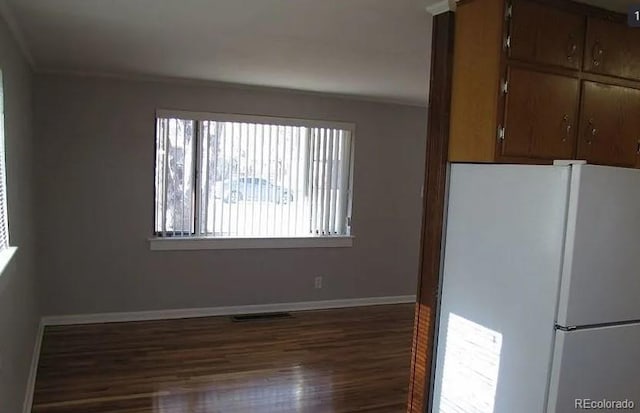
point(338, 361)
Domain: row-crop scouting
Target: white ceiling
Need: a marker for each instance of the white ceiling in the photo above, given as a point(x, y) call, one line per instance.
point(367, 48)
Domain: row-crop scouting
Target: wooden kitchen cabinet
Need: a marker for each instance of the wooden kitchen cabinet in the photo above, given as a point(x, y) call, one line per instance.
point(540, 115)
point(538, 80)
point(612, 48)
point(609, 125)
point(546, 35)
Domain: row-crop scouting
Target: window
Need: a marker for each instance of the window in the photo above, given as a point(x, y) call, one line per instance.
point(236, 176)
point(6, 252)
point(4, 223)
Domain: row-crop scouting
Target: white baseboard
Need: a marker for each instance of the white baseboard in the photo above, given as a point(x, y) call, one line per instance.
point(33, 370)
point(220, 311)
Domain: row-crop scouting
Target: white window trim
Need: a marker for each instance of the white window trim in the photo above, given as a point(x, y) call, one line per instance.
point(194, 243)
point(8, 251)
point(6, 256)
point(235, 117)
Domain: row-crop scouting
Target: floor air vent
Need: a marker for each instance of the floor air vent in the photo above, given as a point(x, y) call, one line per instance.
point(260, 316)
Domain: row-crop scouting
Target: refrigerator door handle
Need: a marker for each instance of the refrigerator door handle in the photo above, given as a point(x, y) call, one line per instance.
point(563, 328)
point(558, 327)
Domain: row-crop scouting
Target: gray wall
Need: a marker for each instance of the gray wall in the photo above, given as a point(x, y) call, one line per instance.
point(19, 314)
point(95, 148)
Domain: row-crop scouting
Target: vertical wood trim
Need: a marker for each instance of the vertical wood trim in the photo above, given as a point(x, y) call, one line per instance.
point(433, 210)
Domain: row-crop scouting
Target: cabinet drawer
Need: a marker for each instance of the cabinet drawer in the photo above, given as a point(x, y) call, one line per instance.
point(543, 34)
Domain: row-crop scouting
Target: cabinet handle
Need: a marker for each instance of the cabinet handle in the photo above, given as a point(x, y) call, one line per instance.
point(597, 53)
point(572, 47)
point(593, 132)
point(638, 147)
point(567, 129)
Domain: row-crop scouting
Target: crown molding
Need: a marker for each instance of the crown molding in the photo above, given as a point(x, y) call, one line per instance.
point(441, 7)
point(16, 31)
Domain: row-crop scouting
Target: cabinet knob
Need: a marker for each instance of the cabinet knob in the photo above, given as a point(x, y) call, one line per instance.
point(592, 132)
point(567, 128)
point(596, 53)
point(572, 47)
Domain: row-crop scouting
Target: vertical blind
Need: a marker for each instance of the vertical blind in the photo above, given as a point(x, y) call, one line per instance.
point(245, 179)
point(4, 223)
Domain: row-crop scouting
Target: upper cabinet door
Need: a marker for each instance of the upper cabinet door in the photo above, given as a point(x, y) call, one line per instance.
point(540, 115)
point(609, 125)
point(612, 49)
point(543, 34)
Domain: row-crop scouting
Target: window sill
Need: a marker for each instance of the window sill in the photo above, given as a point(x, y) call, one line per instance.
point(175, 244)
point(5, 258)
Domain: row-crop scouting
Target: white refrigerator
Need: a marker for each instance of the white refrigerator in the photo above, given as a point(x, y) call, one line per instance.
point(540, 294)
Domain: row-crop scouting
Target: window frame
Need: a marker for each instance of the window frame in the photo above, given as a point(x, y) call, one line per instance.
point(7, 252)
point(193, 241)
point(176, 235)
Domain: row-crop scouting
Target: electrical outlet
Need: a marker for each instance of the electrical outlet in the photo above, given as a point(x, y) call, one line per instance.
point(318, 282)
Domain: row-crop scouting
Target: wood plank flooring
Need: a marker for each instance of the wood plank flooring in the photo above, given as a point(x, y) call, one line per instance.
point(330, 361)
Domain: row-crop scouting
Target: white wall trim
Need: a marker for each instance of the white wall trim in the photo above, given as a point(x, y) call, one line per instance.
point(195, 243)
point(442, 7)
point(17, 32)
point(5, 258)
point(221, 311)
point(33, 370)
point(248, 118)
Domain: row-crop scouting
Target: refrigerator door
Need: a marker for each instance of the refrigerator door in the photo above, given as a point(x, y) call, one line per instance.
point(596, 364)
point(501, 276)
point(601, 273)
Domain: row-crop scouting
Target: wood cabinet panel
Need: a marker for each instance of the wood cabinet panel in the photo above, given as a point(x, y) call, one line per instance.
point(612, 48)
point(540, 115)
point(609, 125)
point(547, 35)
point(475, 79)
